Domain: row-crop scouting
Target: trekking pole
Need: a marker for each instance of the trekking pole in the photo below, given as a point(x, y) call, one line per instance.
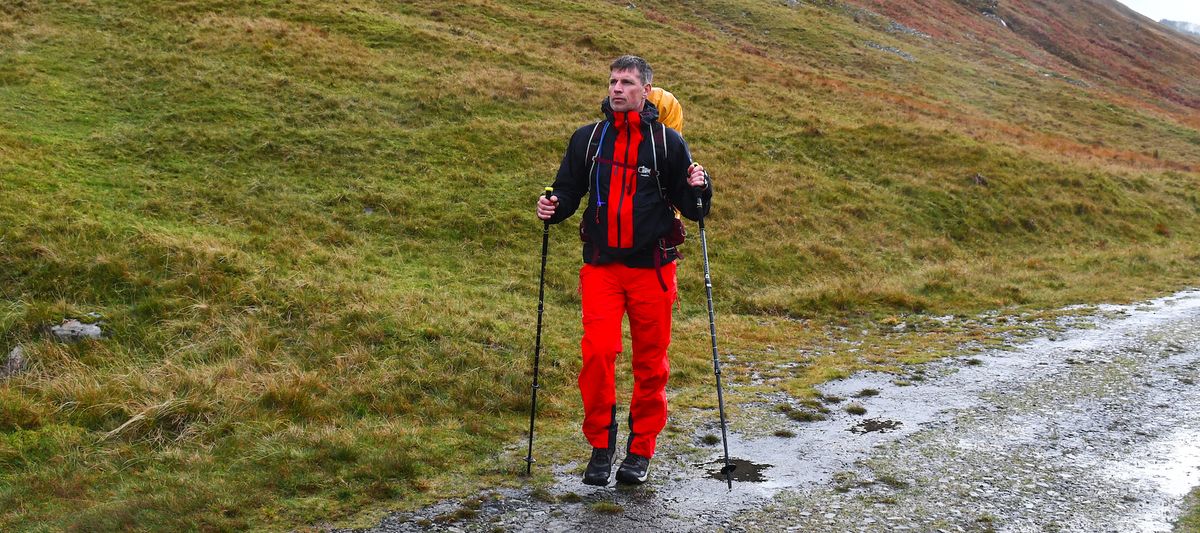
point(712, 330)
point(537, 347)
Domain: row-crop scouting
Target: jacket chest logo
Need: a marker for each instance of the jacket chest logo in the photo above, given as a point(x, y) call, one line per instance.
point(643, 172)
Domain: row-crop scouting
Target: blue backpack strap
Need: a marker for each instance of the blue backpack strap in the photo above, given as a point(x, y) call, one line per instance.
point(593, 154)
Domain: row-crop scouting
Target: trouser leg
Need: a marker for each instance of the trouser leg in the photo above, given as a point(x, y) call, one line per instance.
point(649, 309)
point(603, 308)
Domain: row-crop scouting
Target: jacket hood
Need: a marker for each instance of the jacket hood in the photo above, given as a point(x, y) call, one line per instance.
point(649, 112)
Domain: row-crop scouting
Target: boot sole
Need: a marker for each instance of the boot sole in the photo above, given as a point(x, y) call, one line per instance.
point(595, 482)
point(631, 479)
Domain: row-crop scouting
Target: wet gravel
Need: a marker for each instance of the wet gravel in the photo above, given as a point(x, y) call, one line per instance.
point(1091, 429)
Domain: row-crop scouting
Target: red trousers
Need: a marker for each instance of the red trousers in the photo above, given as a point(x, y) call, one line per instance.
point(609, 292)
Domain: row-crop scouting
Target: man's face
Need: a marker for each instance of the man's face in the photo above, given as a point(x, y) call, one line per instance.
point(626, 92)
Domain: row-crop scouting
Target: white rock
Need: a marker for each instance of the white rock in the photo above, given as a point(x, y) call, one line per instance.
point(14, 363)
point(75, 331)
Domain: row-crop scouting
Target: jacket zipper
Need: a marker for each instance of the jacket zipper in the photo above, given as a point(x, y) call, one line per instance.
point(624, 180)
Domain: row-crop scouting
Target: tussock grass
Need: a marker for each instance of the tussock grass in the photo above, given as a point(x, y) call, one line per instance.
point(306, 229)
point(603, 507)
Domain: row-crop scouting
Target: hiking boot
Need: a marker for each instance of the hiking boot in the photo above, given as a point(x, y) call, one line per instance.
point(634, 469)
point(599, 467)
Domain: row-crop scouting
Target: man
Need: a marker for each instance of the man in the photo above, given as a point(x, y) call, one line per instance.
point(633, 170)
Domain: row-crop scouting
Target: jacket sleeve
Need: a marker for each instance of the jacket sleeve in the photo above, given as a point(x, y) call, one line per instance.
point(571, 184)
point(682, 195)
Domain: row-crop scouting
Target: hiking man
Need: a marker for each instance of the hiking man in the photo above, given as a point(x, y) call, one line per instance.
point(634, 170)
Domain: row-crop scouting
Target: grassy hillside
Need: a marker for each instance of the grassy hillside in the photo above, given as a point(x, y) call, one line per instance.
point(1101, 42)
point(307, 229)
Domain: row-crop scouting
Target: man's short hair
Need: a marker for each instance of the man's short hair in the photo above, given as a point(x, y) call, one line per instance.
point(633, 63)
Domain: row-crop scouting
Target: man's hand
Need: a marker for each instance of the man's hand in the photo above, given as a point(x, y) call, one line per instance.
point(696, 177)
point(546, 207)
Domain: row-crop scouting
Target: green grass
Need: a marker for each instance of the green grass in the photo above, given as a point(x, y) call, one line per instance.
point(607, 508)
point(307, 229)
point(1190, 522)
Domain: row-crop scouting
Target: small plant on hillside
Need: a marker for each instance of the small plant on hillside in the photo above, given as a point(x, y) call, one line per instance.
point(832, 399)
point(607, 507)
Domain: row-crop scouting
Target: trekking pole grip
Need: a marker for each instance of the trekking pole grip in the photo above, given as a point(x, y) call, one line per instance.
point(699, 190)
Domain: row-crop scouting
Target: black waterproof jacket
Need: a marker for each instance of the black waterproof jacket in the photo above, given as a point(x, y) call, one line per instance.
point(627, 216)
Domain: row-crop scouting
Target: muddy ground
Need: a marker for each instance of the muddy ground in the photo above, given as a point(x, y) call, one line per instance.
point(1096, 428)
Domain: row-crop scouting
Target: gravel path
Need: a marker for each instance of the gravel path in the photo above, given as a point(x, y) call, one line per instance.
point(1094, 429)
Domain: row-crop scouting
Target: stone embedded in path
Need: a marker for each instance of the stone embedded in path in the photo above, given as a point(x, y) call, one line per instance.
point(75, 331)
point(14, 363)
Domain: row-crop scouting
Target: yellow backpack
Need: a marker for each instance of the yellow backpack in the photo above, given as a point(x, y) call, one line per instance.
point(669, 110)
point(670, 113)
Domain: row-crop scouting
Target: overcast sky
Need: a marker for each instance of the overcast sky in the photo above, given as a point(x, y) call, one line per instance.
point(1185, 10)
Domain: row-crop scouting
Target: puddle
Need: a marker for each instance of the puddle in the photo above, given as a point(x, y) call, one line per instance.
point(1172, 466)
point(744, 471)
point(875, 425)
